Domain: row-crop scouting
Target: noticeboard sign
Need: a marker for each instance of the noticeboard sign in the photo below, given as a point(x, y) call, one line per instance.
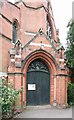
point(31, 86)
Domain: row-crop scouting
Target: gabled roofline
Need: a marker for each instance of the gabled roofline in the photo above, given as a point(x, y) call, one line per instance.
point(60, 47)
point(35, 8)
point(40, 33)
point(48, 13)
point(13, 4)
point(30, 41)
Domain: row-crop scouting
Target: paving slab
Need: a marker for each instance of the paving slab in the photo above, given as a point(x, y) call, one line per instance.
point(45, 112)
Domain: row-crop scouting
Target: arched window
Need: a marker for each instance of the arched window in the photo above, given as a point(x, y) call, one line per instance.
point(48, 28)
point(14, 34)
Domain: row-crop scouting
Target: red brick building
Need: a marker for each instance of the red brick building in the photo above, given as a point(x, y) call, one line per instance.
point(32, 55)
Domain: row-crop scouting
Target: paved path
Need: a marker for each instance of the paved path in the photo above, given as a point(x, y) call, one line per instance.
point(45, 112)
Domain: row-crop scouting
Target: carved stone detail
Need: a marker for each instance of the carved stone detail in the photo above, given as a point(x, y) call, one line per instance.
point(38, 65)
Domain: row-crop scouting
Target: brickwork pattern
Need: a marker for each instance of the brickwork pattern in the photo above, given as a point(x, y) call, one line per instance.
point(32, 43)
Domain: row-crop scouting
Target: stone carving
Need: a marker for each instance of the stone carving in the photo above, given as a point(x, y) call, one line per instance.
point(38, 65)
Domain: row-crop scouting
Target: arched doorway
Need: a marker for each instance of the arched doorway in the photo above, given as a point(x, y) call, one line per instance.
point(38, 83)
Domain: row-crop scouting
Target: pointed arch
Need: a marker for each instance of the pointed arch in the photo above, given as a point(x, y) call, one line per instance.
point(15, 26)
point(52, 67)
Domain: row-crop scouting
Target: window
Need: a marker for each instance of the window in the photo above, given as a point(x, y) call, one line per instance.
point(48, 29)
point(14, 34)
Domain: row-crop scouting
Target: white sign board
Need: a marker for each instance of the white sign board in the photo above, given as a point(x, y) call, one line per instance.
point(31, 86)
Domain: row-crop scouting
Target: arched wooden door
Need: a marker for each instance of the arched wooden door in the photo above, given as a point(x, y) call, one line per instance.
point(38, 83)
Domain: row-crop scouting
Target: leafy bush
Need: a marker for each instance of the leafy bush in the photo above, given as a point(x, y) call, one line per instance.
point(70, 93)
point(8, 96)
point(69, 53)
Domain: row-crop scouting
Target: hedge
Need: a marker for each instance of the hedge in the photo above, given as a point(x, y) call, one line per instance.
point(70, 93)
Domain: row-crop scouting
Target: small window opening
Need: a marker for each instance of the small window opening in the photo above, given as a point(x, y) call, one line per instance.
point(14, 35)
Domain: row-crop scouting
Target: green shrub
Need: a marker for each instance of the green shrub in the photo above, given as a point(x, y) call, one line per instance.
point(8, 96)
point(70, 93)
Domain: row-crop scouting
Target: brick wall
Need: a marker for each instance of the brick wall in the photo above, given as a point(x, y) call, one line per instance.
point(33, 43)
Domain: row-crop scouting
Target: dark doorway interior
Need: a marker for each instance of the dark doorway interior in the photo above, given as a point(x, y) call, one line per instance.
point(38, 83)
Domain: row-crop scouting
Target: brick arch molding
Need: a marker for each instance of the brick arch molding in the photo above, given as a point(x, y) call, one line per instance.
point(47, 58)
